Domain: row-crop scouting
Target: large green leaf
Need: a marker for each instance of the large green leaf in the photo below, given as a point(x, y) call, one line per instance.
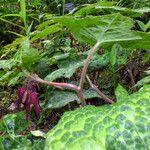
point(105, 29)
point(123, 125)
point(121, 93)
point(61, 98)
point(108, 8)
point(68, 68)
point(139, 43)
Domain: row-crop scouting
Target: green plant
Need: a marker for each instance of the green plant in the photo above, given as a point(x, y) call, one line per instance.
point(98, 31)
point(123, 125)
point(11, 127)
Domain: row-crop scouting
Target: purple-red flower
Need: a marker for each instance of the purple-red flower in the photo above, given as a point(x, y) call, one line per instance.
point(27, 95)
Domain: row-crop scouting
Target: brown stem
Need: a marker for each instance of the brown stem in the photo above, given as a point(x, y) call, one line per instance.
point(81, 96)
point(61, 86)
point(132, 79)
point(56, 84)
point(86, 64)
point(102, 95)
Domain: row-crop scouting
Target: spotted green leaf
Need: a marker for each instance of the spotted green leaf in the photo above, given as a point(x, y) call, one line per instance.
point(122, 126)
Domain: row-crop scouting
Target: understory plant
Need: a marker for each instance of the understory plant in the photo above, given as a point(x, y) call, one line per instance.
point(99, 31)
point(80, 55)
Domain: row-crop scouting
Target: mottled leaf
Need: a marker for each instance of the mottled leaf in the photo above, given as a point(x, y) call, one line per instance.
point(62, 98)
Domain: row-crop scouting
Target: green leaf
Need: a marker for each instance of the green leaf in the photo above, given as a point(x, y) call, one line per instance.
point(68, 68)
point(11, 126)
point(139, 43)
point(23, 12)
point(29, 55)
point(62, 98)
point(6, 63)
point(66, 72)
point(121, 93)
point(14, 80)
point(45, 32)
point(141, 25)
point(147, 26)
point(6, 75)
point(25, 44)
point(145, 80)
point(108, 8)
point(105, 29)
point(113, 55)
point(13, 123)
point(123, 125)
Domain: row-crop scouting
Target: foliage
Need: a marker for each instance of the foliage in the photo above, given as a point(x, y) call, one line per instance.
point(102, 8)
point(145, 80)
point(11, 127)
point(90, 127)
point(59, 98)
point(45, 43)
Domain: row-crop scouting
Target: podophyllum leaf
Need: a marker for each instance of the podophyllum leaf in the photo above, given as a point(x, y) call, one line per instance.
point(121, 93)
point(38, 133)
point(68, 68)
point(62, 98)
point(64, 72)
point(108, 8)
point(123, 125)
point(10, 138)
point(139, 43)
point(105, 29)
point(143, 81)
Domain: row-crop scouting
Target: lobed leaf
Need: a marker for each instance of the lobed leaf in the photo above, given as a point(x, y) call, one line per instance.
point(123, 125)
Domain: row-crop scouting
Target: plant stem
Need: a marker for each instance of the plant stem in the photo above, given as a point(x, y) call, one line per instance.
point(81, 96)
point(102, 95)
point(63, 8)
point(92, 50)
point(61, 86)
point(132, 79)
point(56, 84)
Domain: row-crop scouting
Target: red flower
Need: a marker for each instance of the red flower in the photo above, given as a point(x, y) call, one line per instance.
point(27, 96)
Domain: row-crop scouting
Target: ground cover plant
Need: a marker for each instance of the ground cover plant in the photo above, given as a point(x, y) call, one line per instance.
point(66, 56)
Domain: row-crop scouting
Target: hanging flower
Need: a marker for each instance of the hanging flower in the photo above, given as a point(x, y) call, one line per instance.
point(27, 96)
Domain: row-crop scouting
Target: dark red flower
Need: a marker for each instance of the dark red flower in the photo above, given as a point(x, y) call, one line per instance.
point(27, 96)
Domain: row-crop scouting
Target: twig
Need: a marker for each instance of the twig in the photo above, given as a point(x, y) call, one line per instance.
point(132, 79)
point(93, 49)
point(60, 86)
point(102, 95)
